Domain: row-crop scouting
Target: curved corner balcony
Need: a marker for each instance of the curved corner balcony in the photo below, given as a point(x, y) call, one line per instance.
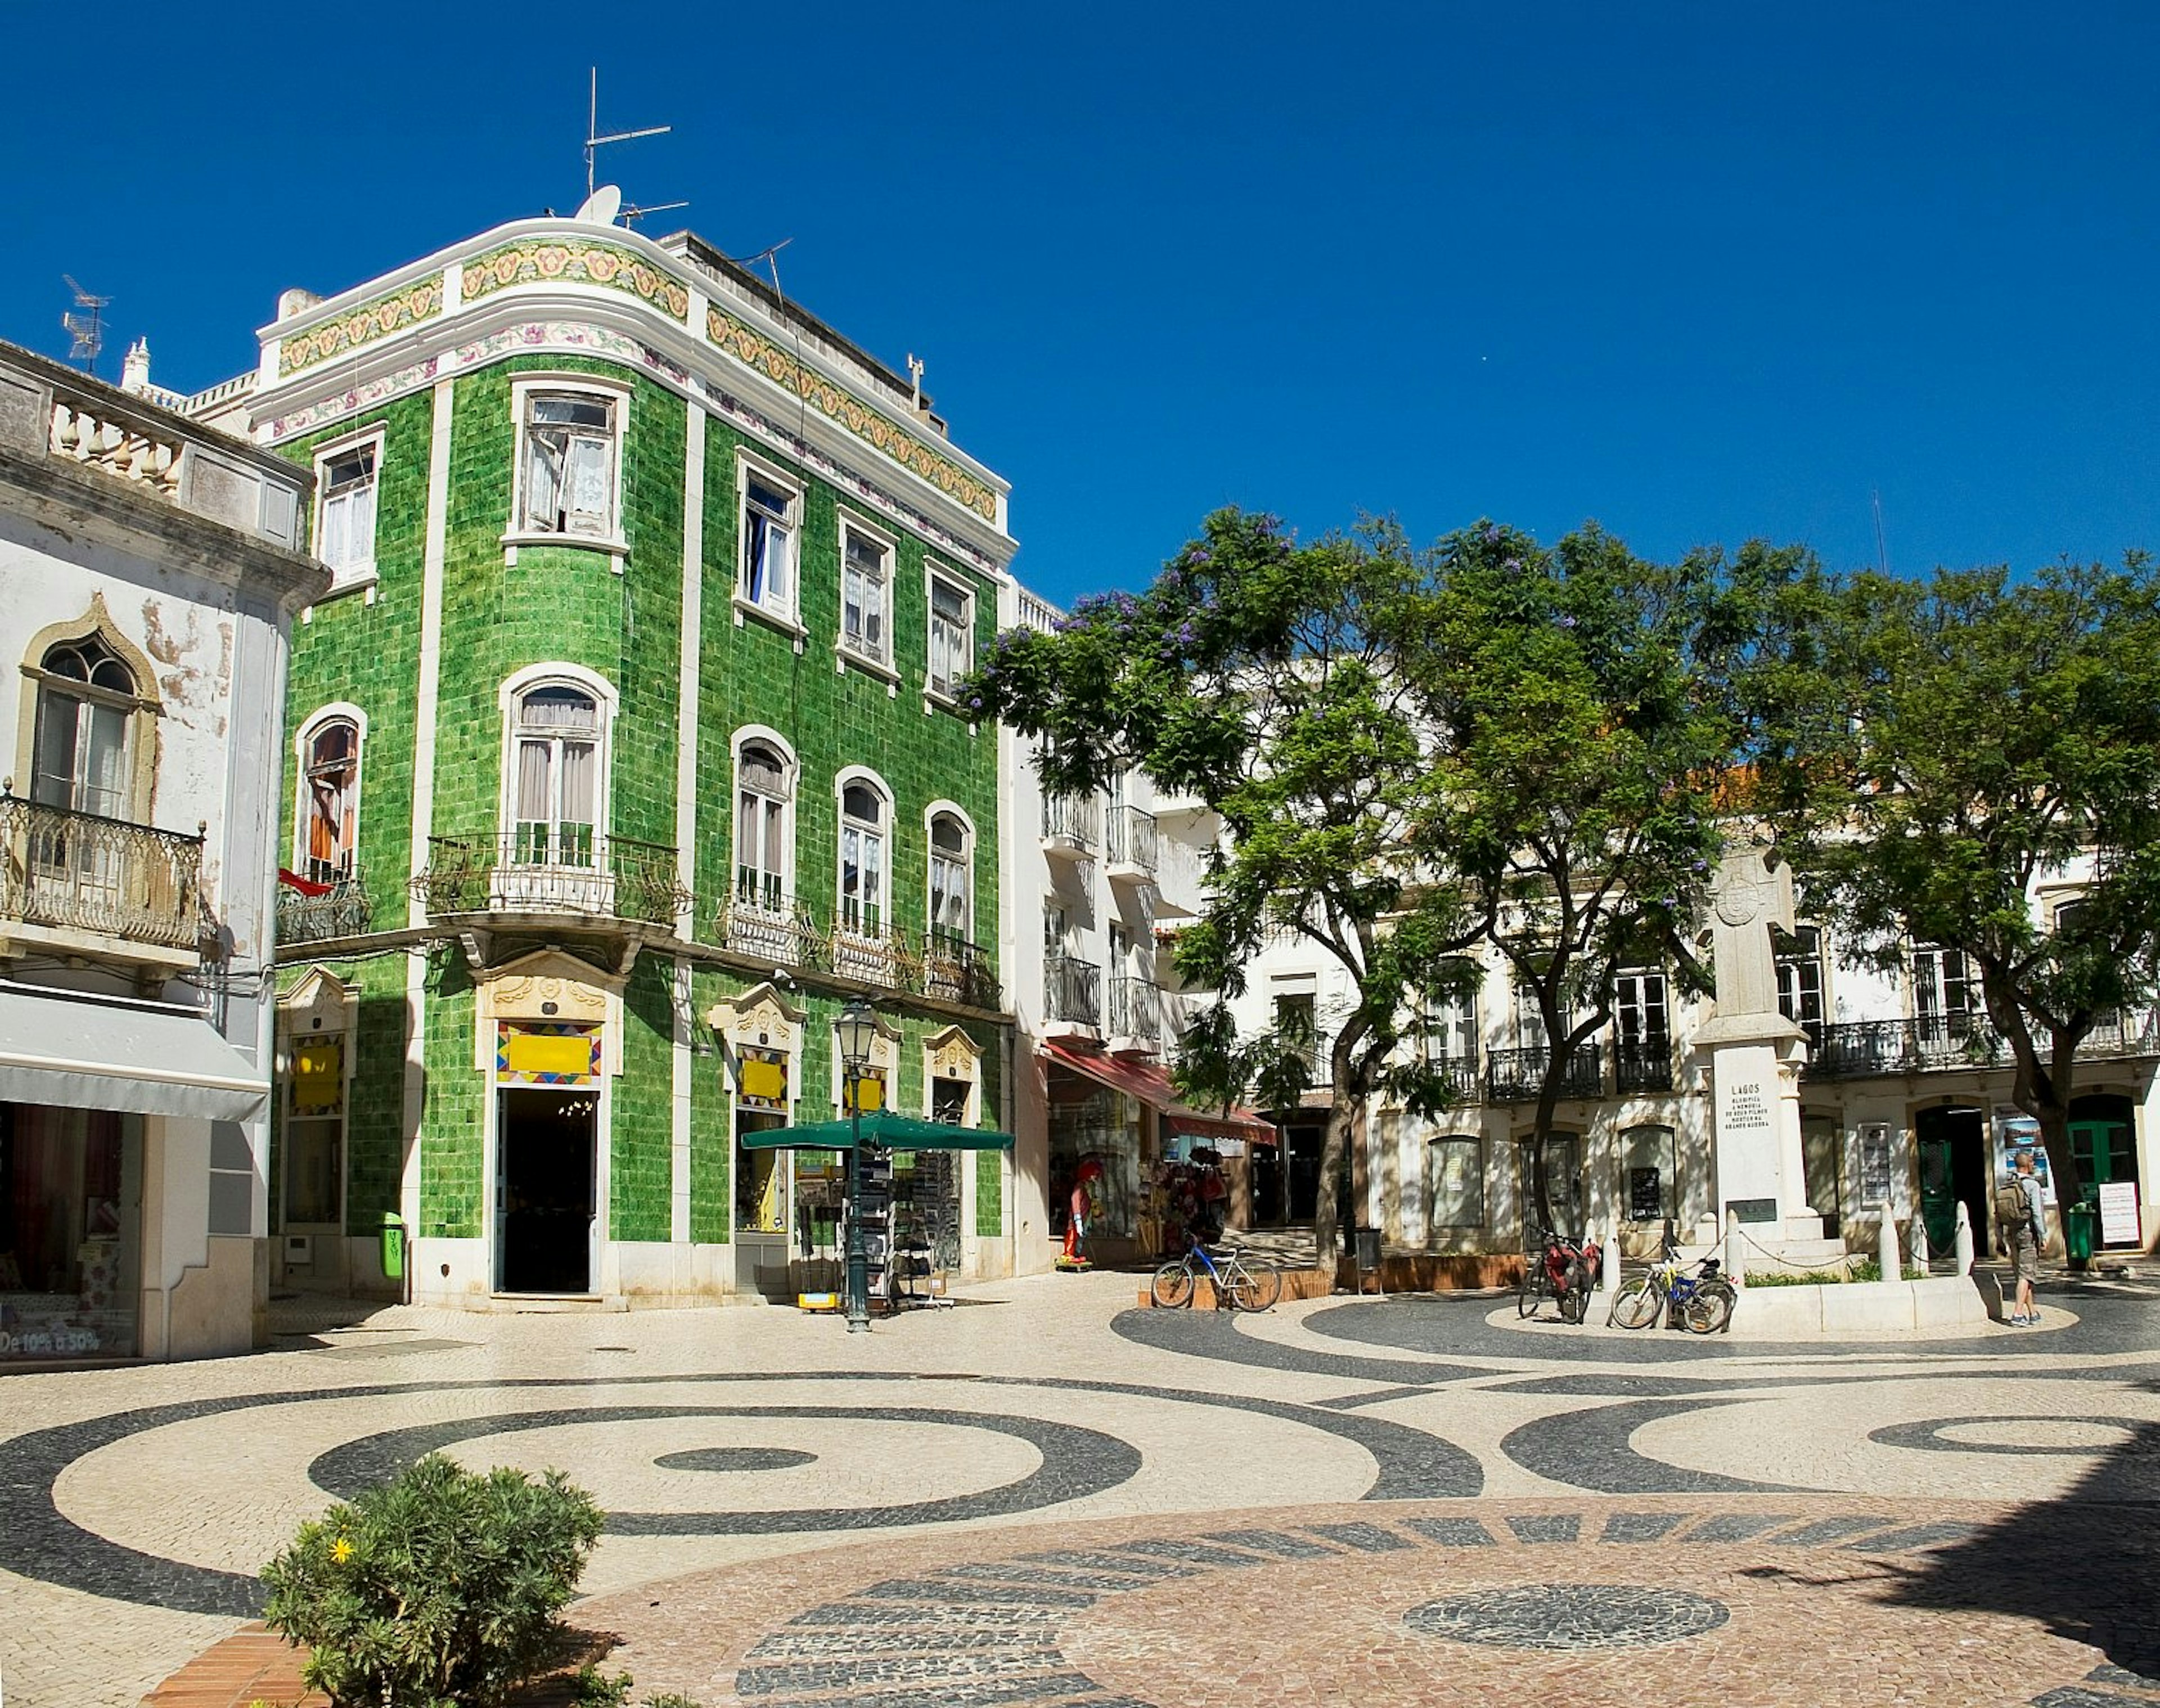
point(761, 920)
point(562, 873)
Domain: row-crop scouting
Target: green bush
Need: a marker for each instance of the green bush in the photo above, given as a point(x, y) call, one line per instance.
point(440, 1589)
point(1860, 1268)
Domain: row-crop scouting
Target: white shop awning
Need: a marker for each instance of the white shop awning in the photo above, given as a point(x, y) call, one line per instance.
point(84, 1054)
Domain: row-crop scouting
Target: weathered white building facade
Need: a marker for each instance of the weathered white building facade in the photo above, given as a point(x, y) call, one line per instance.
point(149, 573)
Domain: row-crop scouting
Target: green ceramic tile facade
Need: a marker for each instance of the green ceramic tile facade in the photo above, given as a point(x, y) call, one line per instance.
point(567, 604)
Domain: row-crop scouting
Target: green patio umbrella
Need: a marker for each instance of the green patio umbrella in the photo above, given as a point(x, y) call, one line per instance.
point(880, 1127)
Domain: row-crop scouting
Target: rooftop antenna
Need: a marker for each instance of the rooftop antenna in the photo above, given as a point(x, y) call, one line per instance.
point(1881, 551)
point(637, 211)
point(86, 328)
point(594, 139)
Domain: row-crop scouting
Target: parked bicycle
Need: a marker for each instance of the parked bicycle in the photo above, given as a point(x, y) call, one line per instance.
point(1701, 1300)
point(1241, 1284)
point(1561, 1270)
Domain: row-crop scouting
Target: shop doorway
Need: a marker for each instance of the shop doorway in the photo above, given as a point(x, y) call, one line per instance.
point(1951, 1147)
point(2101, 1141)
point(764, 1182)
point(546, 1158)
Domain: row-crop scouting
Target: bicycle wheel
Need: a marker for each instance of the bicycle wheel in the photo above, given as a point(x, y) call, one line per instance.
point(1172, 1285)
point(1532, 1289)
point(1255, 1290)
point(1636, 1305)
point(1711, 1308)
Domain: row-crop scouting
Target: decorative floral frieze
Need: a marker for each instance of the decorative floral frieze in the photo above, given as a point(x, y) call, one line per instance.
point(755, 350)
point(554, 260)
point(300, 350)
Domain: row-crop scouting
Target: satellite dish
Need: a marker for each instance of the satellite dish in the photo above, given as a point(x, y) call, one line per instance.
point(601, 207)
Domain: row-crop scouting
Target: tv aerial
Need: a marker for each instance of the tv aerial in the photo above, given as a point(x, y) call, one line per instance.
point(604, 202)
point(86, 326)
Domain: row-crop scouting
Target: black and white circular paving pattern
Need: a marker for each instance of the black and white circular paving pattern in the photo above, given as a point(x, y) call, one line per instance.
point(1569, 1616)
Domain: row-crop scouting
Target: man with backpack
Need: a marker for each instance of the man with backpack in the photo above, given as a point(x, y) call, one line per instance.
point(2019, 1217)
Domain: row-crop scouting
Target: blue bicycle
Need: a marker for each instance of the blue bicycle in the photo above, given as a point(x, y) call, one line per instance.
point(1241, 1286)
point(1700, 1302)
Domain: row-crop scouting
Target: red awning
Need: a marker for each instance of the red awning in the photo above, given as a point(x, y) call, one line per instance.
point(1152, 1087)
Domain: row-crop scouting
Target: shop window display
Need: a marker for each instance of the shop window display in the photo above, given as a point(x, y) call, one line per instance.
point(1095, 1146)
point(71, 1181)
point(1184, 1202)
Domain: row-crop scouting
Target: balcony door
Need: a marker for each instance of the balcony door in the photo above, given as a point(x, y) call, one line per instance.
point(552, 860)
point(85, 701)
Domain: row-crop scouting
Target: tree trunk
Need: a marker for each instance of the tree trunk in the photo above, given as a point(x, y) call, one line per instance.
point(1349, 1086)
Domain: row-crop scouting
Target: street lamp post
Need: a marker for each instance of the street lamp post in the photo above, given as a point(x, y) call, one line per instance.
point(858, 1031)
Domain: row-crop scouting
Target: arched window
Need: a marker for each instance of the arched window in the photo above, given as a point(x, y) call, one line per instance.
point(952, 878)
point(863, 820)
point(764, 792)
point(555, 785)
point(85, 698)
point(330, 807)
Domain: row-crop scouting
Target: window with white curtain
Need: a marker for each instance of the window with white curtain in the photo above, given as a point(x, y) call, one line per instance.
point(568, 470)
point(556, 755)
point(863, 820)
point(951, 878)
point(772, 515)
point(865, 593)
point(952, 636)
point(345, 536)
point(86, 700)
point(764, 794)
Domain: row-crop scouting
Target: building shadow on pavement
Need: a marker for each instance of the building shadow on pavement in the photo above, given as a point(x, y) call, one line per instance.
point(2086, 1564)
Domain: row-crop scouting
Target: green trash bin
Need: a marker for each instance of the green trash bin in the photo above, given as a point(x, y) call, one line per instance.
point(393, 1247)
point(2077, 1224)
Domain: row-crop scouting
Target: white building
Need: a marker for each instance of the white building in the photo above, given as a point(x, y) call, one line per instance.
point(1095, 885)
point(148, 570)
point(1903, 1098)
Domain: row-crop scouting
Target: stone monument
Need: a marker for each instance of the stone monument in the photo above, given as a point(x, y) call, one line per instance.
point(1755, 1055)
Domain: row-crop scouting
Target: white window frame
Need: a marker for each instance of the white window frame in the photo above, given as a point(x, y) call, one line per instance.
point(559, 675)
point(934, 576)
point(1640, 996)
point(359, 571)
point(846, 652)
point(856, 777)
point(786, 613)
point(757, 735)
point(339, 711)
point(948, 809)
point(525, 389)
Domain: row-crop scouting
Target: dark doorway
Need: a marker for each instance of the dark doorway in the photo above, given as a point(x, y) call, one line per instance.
point(1952, 1147)
point(1301, 1144)
point(545, 1154)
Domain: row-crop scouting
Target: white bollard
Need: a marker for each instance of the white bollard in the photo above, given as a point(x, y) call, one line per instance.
point(1736, 1260)
point(1962, 1246)
point(1608, 1265)
point(1919, 1242)
point(1885, 1247)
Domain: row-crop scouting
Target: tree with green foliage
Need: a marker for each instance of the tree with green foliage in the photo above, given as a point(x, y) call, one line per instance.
point(1262, 676)
point(1586, 730)
point(1932, 754)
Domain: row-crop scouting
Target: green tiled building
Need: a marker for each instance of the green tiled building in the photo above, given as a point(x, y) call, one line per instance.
point(624, 752)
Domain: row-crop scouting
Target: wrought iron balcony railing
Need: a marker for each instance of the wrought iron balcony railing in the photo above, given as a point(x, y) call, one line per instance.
point(1072, 823)
point(1133, 841)
point(763, 920)
point(77, 871)
point(1518, 1076)
point(1071, 991)
point(1644, 1066)
point(1459, 1075)
point(1883, 1049)
point(955, 970)
point(1136, 1010)
point(343, 911)
point(563, 869)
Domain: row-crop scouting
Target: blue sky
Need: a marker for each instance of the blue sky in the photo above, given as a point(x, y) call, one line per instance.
point(1701, 271)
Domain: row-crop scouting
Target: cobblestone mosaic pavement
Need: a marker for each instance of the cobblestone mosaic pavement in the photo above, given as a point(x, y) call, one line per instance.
point(1044, 1497)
